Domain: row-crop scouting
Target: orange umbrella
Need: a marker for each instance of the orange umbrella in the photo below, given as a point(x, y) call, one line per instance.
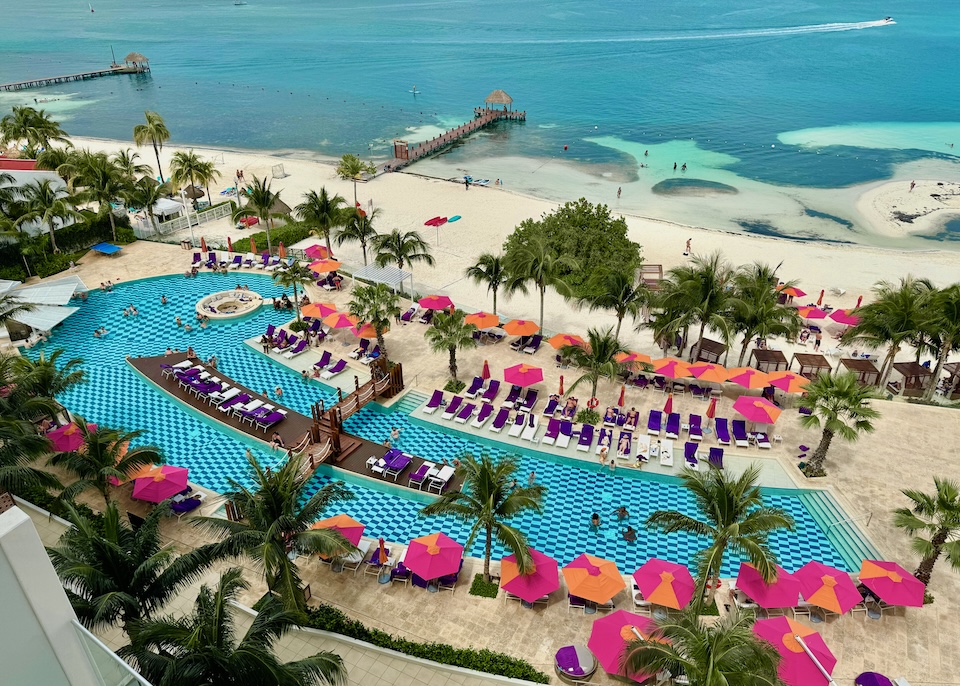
point(482, 320)
point(521, 327)
point(792, 291)
point(671, 367)
point(324, 266)
point(709, 372)
point(318, 310)
point(811, 312)
point(563, 339)
point(827, 587)
point(349, 528)
point(364, 331)
point(340, 320)
point(281, 251)
point(593, 578)
point(791, 382)
point(748, 377)
point(138, 473)
point(665, 583)
point(632, 358)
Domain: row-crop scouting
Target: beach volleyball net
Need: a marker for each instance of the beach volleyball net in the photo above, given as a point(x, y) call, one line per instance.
point(278, 172)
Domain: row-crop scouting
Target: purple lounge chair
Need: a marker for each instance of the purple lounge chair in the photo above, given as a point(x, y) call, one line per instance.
point(490, 394)
point(434, 402)
point(418, 477)
point(300, 347)
point(324, 360)
point(408, 315)
point(740, 433)
point(690, 454)
point(486, 409)
point(653, 423)
point(270, 420)
point(241, 399)
point(237, 261)
point(475, 387)
point(520, 343)
point(465, 414)
point(660, 383)
point(451, 410)
point(586, 438)
point(641, 382)
point(569, 411)
point(606, 437)
point(625, 444)
point(696, 428)
point(716, 458)
point(196, 258)
point(610, 418)
point(360, 350)
point(513, 396)
point(723, 432)
point(270, 330)
point(551, 408)
point(673, 425)
point(500, 420)
point(529, 401)
point(534, 344)
point(334, 370)
point(427, 317)
point(553, 430)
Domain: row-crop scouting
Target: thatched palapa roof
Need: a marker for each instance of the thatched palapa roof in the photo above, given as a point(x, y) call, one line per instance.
point(499, 97)
point(135, 58)
point(280, 207)
point(193, 192)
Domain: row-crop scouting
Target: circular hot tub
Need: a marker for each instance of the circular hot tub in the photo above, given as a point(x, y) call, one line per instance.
point(229, 304)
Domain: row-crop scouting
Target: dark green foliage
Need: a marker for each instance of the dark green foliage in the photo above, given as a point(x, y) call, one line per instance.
point(42, 498)
point(289, 233)
point(484, 589)
point(588, 416)
point(54, 264)
point(327, 618)
point(587, 233)
point(454, 386)
point(11, 272)
point(299, 326)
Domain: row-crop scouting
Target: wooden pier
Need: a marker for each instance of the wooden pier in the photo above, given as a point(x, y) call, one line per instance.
point(134, 63)
point(496, 108)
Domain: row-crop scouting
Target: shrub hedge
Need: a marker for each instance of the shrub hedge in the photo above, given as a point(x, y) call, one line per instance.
point(290, 233)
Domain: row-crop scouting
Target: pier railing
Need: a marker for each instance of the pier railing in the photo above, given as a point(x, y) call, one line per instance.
point(405, 154)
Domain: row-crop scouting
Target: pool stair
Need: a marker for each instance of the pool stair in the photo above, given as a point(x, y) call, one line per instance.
point(410, 401)
point(843, 531)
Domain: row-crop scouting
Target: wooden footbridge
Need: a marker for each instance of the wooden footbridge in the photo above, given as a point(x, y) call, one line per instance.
point(496, 107)
point(134, 63)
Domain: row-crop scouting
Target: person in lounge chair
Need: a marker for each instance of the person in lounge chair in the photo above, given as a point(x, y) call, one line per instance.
point(609, 416)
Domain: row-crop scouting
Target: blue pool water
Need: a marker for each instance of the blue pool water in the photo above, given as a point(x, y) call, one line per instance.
point(116, 396)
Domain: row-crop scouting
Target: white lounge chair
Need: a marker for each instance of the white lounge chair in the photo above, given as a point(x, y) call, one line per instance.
point(532, 424)
point(518, 427)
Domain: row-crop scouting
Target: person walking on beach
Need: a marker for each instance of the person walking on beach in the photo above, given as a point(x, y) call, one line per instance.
point(686, 250)
point(816, 341)
point(913, 184)
point(619, 191)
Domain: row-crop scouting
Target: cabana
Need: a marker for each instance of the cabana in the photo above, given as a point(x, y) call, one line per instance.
point(953, 381)
point(498, 97)
point(916, 379)
point(710, 351)
point(866, 371)
point(768, 360)
point(391, 276)
point(811, 365)
point(651, 275)
point(165, 208)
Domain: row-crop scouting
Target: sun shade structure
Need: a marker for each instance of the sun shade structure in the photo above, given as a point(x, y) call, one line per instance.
point(521, 327)
point(845, 317)
point(784, 591)
point(892, 583)
point(67, 438)
point(340, 320)
point(610, 636)
point(348, 527)
point(317, 252)
point(748, 377)
point(665, 583)
point(322, 266)
point(797, 667)
point(792, 291)
point(788, 381)
point(389, 276)
point(365, 331)
point(542, 579)
point(482, 320)
point(433, 556)
point(435, 302)
point(632, 358)
point(318, 310)
point(562, 339)
point(709, 372)
point(671, 367)
point(759, 410)
point(523, 375)
point(163, 483)
point(498, 97)
point(827, 587)
point(593, 578)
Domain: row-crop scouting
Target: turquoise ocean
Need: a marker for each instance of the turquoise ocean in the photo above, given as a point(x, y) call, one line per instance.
point(816, 95)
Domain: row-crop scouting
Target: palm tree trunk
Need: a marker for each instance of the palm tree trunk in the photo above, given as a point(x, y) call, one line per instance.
point(543, 295)
point(486, 555)
point(363, 245)
point(696, 350)
point(153, 220)
point(494, 300)
point(743, 350)
point(113, 225)
point(156, 151)
point(616, 334)
point(26, 264)
point(381, 343)
point(453, 362)
point(296, 300)
point(815, 465)
point(888, 365)
point(53, 240)
point(941, 360)
point(326, 237)
point(926, 565)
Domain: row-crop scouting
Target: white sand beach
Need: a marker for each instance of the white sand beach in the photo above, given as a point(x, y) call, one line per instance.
point(896, 209)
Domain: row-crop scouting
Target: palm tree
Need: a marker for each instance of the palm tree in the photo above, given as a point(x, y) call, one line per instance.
point(353, 168)
point(184, 167)
point(48, 205)
point(490, 270)
point(322, 212)
point(34, 127)
point(839, 405)
point(126, 161)
point(156, 133)
point(104, 454)
point(707, 654)
point(358, 228)
point(59, 160)
point(620, 292)
point(378, 306)
point(488, 502)
point(145, 194)
point(114, 574)
point(697, 294)
point(597, 359)
point(539, 264)
point(277, 520)
point(894, 317)
point(449, 332)
point(942, 323)
point(207, 173)
point(732, 516)
point(44, 377)
point(260, 202)
point(102, 182)
point(296, 275)
point(11, 306)
point(404, 249)
point(203, 648)
point(756, 311)
point(21, 399)
point(20, 448)
point(934, 522)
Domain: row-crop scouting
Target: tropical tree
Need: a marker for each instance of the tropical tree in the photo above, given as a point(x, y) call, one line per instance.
point(45, 377)
point(726, 652)
point(538, 264)
point(126, 161)
point(20, 448)
point(114, 574)
point(353, 168)
point(489, 270)
point(277, 520)
point(358, 228)
point(839, 406)
point(20, 398)
point(488, 501)
point(102, 181)
point(449, 333)
point(403, 249)
point(185, 166)
point(154, 132)
point(322, 212)
point(378, 306)
point(59, 160)
point(933, 520)
point(104, 454)
point(203, 648)
point(942, 323)
point(34, 128)
point(597, 359)
point(207, 173)
point(145, 194)
point(11, 306)
point(620, 292)
point(296, 275)
point(732, 516)
point(756, 310)
point(260, 202)
point(48, 205)
point(894, 317)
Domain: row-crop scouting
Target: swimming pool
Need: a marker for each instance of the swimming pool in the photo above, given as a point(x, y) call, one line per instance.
point(116, 395)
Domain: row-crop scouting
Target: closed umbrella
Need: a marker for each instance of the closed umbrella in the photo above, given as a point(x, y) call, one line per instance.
point(827, 587)
point(482, 320)
point(281, 251)
point(436, 302)
point(797, 667)
point(859, 300)
point(521, 327)
point(784, 591)
point(668, 406)
point(820, 299)
point(593, 578)
point(325, 265)
point(560, 392)
point(621, 402)
point(542, 578)
point(712, 408)
point(382, 555)
point(229, 244)
point(564, 339)
point(790, 382)
point(253, 245)
point(665, 583)
point(523, 375)
point(757, 410)
point(203, 244)
point(161, 484)
point(892, 583)
point(748, 377)
point(610, 635)
point(433, 556)
point(485, 373)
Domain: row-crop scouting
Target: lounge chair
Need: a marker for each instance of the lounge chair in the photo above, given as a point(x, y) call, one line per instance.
point(586, 438)
point(475, 387)
point(182, 507)
point(500, 420)
point(490, 394)
point(407, 316)
point(433, 403)
point(666, 453)
point(520, 343)
point(512, 396)
point(227, 405)
point(451, 410)
point(271, 420)
point(762, 441)
point(529, 401)
point(740, 433)
point(419, 477)
point(426, 317)
point(625, 444)
point(223, 396)
point(630, 420)
point(660, 383)
point(641, 382)
point(371, 356)
point(442, 479)
point(610, 418)
point(518, 425)
point(533, 423)
point(271, 329)
point(551, 408)
point(606, 437)
point(396, 466)
point(486, 409)
point(723, 432)
point(249, 260)
point(360, 350)
point(264, 261)
point(298, 349)
point(690, 454)
point(534, 345)
point(237, 262)
point(566, 431)
point(569, 412)
point(653, 423)
point(696, 429)
point(465, 414)
point(716, 458)
point(334, 370)
point(196, 259)
point(673, 426)
point(553, 430)
point(324, 360)
point(211, 260)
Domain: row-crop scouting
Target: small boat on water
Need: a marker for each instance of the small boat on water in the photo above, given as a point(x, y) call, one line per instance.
point(888, 20)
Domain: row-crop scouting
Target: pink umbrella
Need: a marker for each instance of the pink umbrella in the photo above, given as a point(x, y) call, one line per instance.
point(782, 592)
point(665, 583)
point(610, 635)
point(712, 409)
point(892, 583)
point(668, 406)
point(759, 410)
point(67, 438)
point(748, 377)
point(485, 373)
point(433, 556)
point(544, 578)
point(827, 587)
point(797, 668)
point(811, 313)
point(318, 252)
point(623, 390)
point(859, 300)
point(436, 302)
point(523, 375)
point(164, 483)
point(845, 317)
point(349, 528)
